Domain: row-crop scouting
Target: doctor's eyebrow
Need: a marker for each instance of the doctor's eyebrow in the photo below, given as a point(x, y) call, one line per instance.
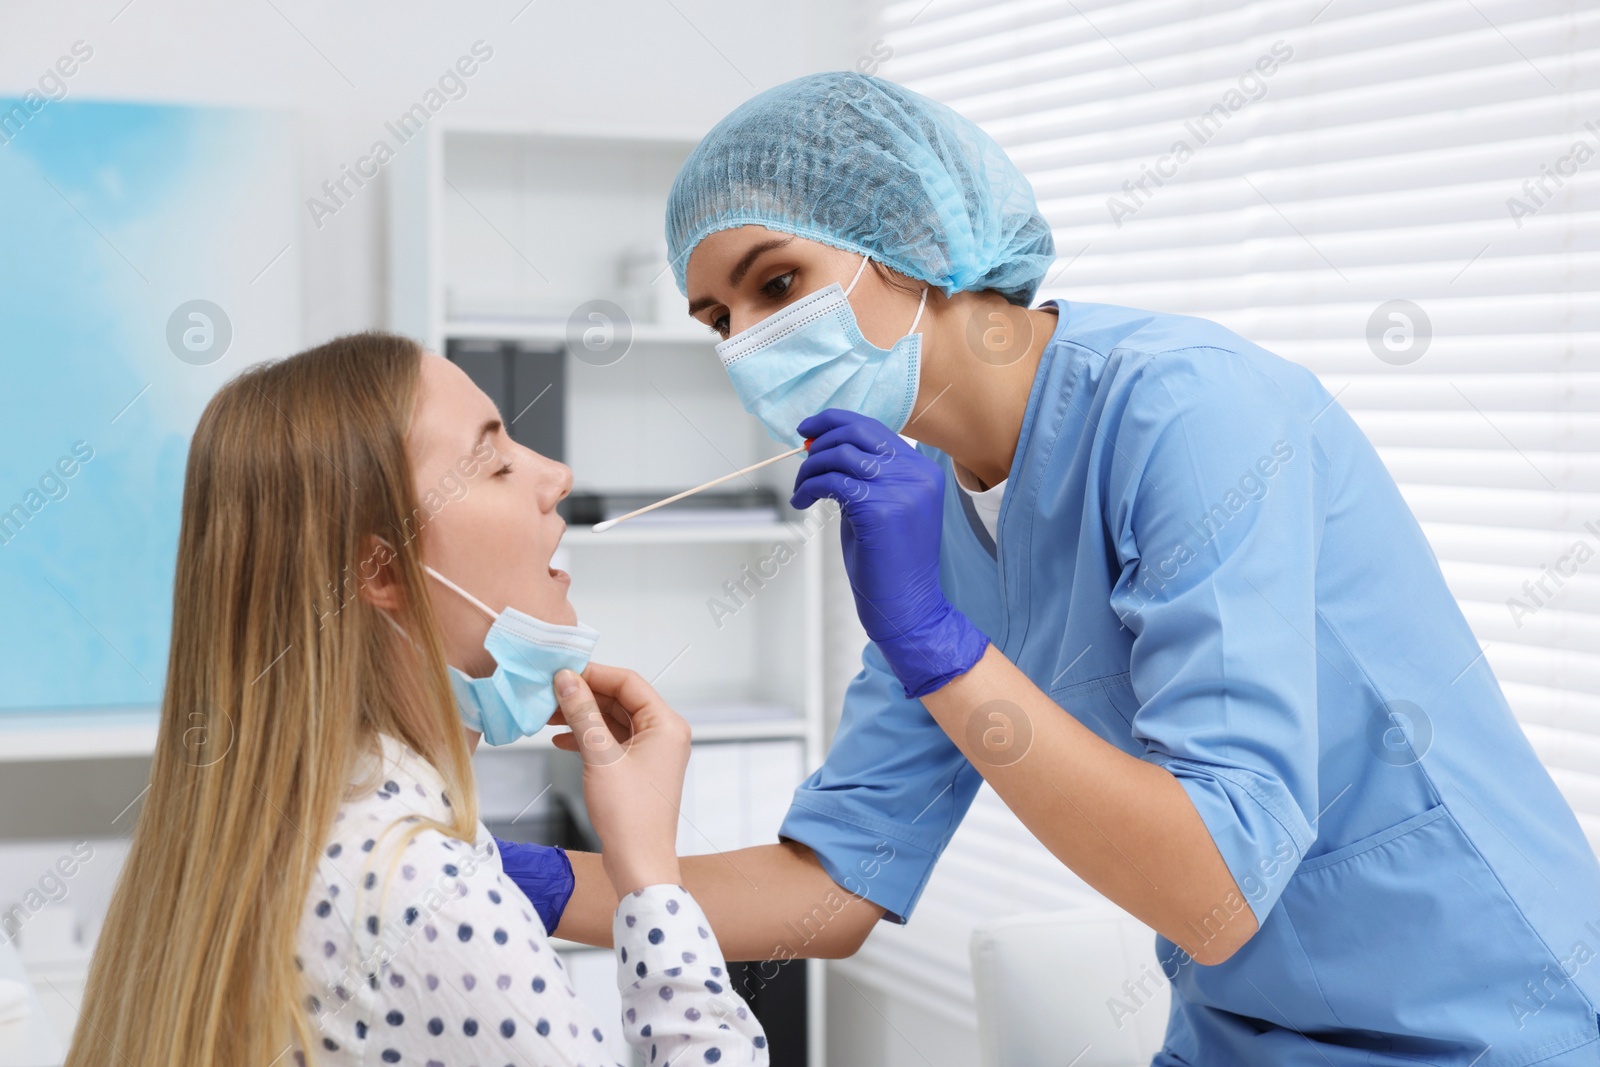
point(741, 268)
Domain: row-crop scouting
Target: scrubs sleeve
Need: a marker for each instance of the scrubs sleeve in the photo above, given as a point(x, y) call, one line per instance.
point(886, 800)
point(1214, 497)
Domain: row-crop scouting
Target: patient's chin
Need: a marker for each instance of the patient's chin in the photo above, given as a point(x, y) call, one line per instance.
point(560, 609)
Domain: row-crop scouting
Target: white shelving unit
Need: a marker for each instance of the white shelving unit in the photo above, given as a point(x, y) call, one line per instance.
point(532, 329)
point(505, 233)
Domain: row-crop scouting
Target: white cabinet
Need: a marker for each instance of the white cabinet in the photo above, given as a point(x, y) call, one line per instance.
point(727, 801)
point(556, 238)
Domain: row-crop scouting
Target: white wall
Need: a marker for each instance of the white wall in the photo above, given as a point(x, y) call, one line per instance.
point(347, 68)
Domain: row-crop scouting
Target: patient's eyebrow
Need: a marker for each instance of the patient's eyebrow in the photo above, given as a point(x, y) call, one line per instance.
point(492, 426)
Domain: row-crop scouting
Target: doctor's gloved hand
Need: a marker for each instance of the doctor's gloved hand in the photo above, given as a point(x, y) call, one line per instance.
point(543, 873)
point(892, 502)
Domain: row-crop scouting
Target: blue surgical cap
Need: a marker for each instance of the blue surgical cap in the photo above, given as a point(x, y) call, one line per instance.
point(863, 164)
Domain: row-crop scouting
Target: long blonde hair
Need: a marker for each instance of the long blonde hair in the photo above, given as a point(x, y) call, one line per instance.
point(279, 677)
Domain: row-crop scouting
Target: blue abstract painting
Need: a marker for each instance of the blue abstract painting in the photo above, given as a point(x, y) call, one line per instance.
point(147, 254)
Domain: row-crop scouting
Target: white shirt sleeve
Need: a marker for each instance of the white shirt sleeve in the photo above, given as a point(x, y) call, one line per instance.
point(466, 974)
point(677, 1001)
point(429, 954)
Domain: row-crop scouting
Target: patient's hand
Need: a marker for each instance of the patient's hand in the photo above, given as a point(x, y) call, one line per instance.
point(634, 750)
point(603, 683)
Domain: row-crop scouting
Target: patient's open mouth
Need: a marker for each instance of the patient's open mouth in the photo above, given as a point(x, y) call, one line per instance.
point(556, 572)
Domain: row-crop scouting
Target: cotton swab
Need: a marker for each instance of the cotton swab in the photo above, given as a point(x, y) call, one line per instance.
point(602, 527)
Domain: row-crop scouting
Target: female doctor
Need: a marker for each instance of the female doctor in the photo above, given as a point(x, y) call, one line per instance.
point(1151, 583)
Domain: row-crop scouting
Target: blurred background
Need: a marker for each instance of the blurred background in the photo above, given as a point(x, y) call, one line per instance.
point(1400, 196)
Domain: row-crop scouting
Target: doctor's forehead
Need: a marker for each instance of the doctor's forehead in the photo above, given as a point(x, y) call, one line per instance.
point(450, 415)
point(720, 253)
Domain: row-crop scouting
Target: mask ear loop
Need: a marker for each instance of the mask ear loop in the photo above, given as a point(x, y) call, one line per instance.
point(921, 304)
point(480, 605)
point(857, 278)
point(389, 618)
point(402, 630)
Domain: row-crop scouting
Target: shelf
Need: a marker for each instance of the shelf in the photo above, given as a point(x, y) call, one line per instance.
point(583, 136)
point(644, 533)
point(584, 209)
point(76, 735)
point(554, 331)
point(80, 735)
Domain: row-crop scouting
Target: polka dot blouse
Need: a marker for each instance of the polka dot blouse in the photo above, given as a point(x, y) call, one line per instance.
point(444, 963)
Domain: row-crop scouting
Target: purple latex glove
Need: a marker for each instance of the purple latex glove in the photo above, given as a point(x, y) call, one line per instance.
point(892, 497)
point(543, 873)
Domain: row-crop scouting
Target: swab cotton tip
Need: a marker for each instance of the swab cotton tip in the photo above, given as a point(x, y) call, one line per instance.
point(602, 527)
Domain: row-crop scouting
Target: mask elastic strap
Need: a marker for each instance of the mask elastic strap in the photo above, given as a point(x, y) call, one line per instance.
point(480, 605)
point(920, 305)
point(387, 617)
point(857, 278)
point(390, 620)
point(923, 303)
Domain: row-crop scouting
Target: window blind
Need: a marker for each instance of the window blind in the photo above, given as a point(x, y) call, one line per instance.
point(1402, 197)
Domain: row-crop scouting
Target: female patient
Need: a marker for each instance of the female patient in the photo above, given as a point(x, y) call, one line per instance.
point(309, 881)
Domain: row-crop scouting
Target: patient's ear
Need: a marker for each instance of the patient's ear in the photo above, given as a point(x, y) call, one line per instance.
point(377, 576)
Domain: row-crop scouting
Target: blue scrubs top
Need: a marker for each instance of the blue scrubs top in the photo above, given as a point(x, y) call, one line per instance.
point(1201, 557)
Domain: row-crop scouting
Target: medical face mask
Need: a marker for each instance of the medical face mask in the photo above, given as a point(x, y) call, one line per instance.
point(518, 699)
point(811, 356)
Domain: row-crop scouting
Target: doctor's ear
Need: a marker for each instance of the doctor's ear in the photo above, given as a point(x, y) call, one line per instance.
point(376, 576)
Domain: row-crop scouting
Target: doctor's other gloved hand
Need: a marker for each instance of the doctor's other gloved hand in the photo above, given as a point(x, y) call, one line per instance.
point(543, 873)
point(892, 502)
point(635, 750)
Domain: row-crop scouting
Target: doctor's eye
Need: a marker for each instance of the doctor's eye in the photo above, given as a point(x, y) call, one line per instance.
point(720, 325)
point(778, 286)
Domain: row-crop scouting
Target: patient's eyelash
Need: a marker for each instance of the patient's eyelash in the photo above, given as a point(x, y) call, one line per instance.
point(503, 470)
